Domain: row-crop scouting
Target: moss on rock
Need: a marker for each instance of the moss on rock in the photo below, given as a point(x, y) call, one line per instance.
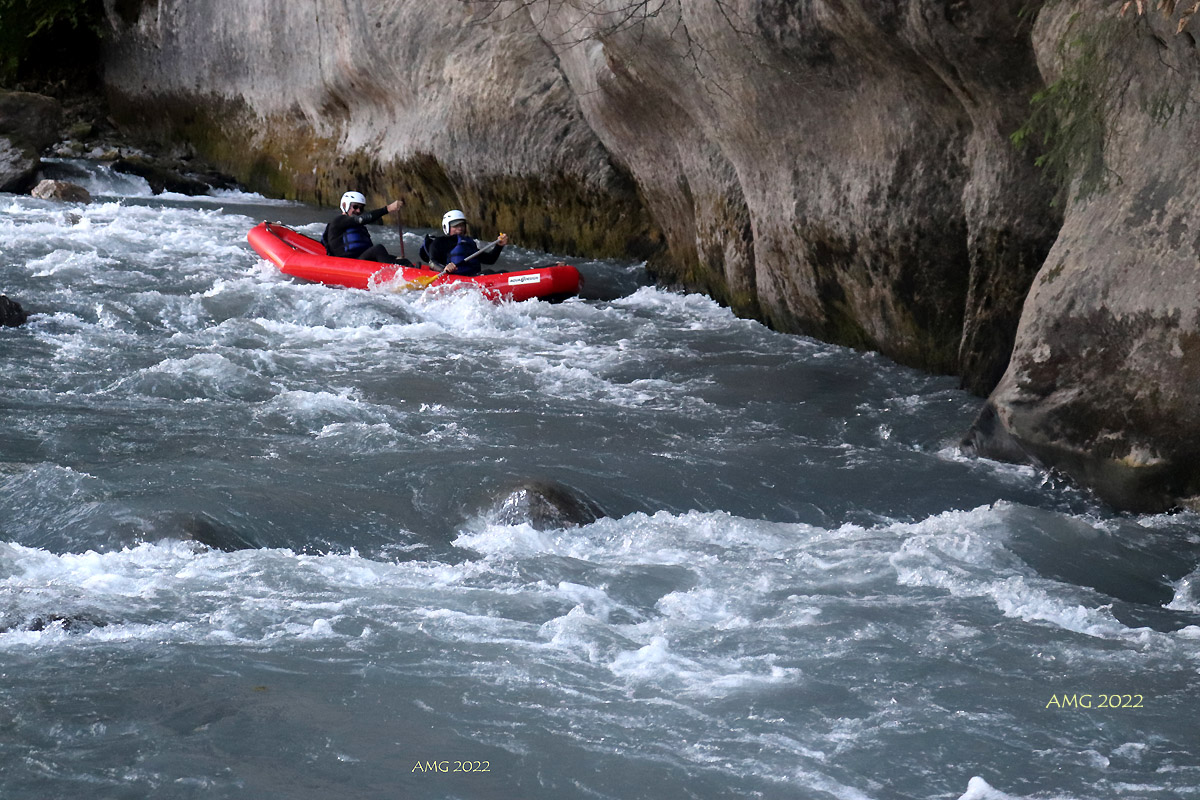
point(284, 157)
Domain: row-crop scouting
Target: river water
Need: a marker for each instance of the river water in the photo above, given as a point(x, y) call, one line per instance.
point(254, 543)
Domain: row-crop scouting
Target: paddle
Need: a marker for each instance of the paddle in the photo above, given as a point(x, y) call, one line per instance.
point(421, 282)
point(424, 281)
point(480, 252)
point(486, 249)
point(400, 230)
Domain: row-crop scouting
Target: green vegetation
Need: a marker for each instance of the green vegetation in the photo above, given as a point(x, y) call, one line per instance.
point(1068, 119)
point(40, 36)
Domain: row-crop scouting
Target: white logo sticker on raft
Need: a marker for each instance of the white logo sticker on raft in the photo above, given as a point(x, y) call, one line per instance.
point(516, 279)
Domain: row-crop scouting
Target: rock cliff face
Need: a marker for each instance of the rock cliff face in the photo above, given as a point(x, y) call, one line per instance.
point(307, 99)
point(836, 167)
point(1104, 376)
point(842, 169)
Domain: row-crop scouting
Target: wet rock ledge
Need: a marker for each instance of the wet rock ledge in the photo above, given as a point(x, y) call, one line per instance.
point(33, 126)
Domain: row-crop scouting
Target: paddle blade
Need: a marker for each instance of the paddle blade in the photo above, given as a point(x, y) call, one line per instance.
point(416, 283)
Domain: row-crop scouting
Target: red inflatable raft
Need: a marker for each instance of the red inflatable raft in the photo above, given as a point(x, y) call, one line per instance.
point(303, 257)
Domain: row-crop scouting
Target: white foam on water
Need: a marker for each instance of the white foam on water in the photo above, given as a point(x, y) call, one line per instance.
point(465, 313)
point(749, 620)
point(512, 540)
point(592, 601)
point(963, 553)
point(74, 266)
point(740, 564)
point(654, 661)
point(110, 244)
point(585, 635)
point(321, 412)
point(360, 437)
point(182, 592)
point(101, 180)
point(979, 789)
point(201, 376)
point(579, 381)
point(698, 311)
point(1187, 593)
point(739, 567)
point(709, 608)
point(757, 651)
point(220, 197)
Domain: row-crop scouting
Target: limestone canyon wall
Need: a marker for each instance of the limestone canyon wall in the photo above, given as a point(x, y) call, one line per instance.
point(834, 168)
point(303, 99)
point(841, 168)
point(1103, 380)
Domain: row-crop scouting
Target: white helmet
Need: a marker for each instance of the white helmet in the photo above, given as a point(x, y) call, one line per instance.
point(351, 197)
point(451, 217)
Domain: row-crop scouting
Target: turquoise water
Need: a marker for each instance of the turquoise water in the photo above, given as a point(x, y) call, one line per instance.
point(251, 544)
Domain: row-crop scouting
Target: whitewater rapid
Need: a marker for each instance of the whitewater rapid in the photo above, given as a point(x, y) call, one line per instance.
point(249, 546)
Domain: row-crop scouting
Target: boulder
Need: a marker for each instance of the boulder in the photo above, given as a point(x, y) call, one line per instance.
point(212, 533)
point(18, 166)
point(11, 313)
point(161, 176)
point(61, 190)
point(544, 505)
point(32, 119)
point(1102, 384)
point(28, 124)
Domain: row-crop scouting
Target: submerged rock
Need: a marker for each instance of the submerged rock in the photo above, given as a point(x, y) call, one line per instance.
point(545, 505)
point(32, 119)
point(71, 623)
point(202, 529)
point(11, 313)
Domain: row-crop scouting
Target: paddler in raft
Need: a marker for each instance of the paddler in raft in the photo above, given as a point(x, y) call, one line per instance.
point(346, 235)
point(457, 250)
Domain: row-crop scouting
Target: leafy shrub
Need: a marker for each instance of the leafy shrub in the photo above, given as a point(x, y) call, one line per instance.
point(1069, 119)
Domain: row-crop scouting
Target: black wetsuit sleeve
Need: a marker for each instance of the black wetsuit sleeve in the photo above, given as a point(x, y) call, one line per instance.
point(368, 217)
